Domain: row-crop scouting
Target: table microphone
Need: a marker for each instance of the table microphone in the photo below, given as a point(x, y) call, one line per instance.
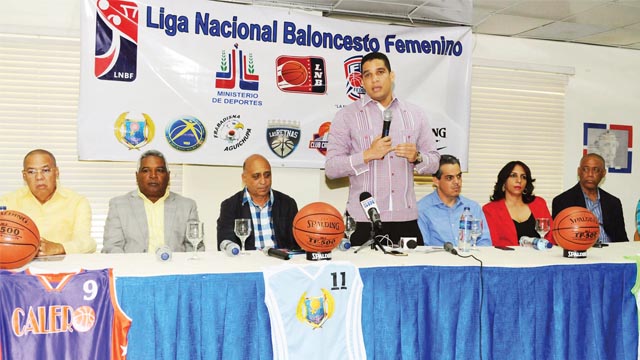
point(282, 255)
point(370, 208)
point(448, 247)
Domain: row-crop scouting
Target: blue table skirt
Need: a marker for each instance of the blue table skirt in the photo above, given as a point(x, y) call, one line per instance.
point(418, 312)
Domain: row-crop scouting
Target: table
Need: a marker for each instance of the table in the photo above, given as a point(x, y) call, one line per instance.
point(535, 305)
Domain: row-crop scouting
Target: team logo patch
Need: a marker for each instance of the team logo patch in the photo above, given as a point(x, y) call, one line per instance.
point(321, 138)
point(45, 320)
point(301, 74)
point(238, 68)
point(186, 133)
point(116, 40)
point(315, 311)
point(232, 131)
point(352, 73)
point(283, 137)
point(134, 133)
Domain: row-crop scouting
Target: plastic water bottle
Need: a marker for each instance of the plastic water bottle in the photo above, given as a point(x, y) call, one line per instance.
point(464, 230)
point(3, 208)
point(230, 248)
point(536, 243)
point(163, 253)
point(344, 245)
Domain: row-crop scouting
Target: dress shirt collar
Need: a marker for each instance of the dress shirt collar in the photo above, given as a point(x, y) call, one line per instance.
point(247, 198)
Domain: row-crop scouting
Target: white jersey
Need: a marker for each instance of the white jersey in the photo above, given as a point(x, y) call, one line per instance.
point(315, 311)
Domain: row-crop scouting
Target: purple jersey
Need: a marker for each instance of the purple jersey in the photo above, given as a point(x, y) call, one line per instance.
point(62, 316)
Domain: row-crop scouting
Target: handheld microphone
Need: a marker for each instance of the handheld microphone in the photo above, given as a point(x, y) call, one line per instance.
point(282, 255)
point(371, 209)
point(448, 247)
point(387, 122)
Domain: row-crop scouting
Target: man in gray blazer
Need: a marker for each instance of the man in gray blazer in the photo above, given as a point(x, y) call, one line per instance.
point(145, 219)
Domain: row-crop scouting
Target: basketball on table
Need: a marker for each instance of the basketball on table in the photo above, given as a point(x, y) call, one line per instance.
point(575, 228)
point(318, 227)
point(19, 239)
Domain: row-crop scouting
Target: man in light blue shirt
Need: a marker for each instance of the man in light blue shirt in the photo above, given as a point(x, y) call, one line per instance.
point(439, 212)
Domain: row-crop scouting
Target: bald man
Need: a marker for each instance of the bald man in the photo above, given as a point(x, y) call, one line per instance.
point(63, 216)
point(271, 212)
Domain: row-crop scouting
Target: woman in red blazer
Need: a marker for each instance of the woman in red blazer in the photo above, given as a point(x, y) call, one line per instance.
point(513, 209)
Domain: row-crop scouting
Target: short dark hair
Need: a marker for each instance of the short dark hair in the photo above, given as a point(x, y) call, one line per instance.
point(155, 153)
point(503, 175)
point(446, 160)
point(375, 55)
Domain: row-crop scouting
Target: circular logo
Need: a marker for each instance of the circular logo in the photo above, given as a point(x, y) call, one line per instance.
point(186, 133)
point(83, 318)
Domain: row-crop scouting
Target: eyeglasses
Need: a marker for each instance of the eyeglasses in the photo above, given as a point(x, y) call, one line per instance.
point(35, 172)
point(596, 170)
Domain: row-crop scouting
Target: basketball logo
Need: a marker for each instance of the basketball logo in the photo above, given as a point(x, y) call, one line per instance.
point(283, 137)
point(83, 318)
point(294, 73)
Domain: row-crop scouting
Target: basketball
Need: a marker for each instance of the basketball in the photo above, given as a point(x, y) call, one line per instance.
point(575, 228)
point(294, 73)
point(318, 227)
point(19, 239)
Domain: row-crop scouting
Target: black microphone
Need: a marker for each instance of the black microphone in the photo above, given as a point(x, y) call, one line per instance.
point(371, 209)
point(282, 255)
point(448, 247)
point(387, 122)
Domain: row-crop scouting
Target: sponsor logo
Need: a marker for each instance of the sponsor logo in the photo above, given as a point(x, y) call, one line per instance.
point(354, 77)
point(42, 320)
point(186, 133)
point(232, 131)
point(134, 133)
point(116, 40)
point(301, 74)
point(441, 137)
point(321, 138)
point(237, 68)
point(283, 137)
point(315, 310)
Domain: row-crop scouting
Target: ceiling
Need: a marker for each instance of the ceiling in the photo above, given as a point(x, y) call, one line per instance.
point(613, 23)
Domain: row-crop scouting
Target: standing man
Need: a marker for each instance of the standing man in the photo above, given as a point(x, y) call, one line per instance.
point(587, 193)
point(381, 166)
point(439, 212)
point(271, 212)
point(151, 216)
point(63, 217)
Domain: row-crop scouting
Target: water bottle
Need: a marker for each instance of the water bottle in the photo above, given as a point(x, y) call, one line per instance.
point(536, 243)
point(464, 230)
point(3, 208)
point(344, 245)
point(163, 253)
point(230, 248)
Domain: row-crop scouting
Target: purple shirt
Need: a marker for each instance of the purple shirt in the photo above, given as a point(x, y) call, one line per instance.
point(389, 180)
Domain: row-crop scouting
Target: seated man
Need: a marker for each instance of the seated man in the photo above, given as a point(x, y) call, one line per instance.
point(63, 217)
point(439, 212)
point(587, 193)
point(145, 219)
point(271, 212)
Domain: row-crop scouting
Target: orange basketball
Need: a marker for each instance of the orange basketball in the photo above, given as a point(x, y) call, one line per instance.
point(294, 73)
point(19, 239)
point(575, 228)
point(318, 227)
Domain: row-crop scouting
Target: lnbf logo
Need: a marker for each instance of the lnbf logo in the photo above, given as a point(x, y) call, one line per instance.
point(116, 40)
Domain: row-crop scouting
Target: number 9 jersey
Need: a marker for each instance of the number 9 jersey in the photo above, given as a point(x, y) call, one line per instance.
point(62, 316)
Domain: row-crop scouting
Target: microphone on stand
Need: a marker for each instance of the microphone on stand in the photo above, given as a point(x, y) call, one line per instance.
point(370, 208)
point(282, 255)
point(387, 122)
point(448, 247)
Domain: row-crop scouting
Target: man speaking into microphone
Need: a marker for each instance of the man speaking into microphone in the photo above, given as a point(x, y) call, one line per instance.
point(378, 141)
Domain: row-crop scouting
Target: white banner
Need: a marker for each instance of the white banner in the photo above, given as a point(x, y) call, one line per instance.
point(211, 83)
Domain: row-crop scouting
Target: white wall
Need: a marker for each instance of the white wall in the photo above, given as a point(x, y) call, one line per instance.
point(605, 89)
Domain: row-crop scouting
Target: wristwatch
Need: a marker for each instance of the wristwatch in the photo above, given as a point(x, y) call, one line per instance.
point(418, 159)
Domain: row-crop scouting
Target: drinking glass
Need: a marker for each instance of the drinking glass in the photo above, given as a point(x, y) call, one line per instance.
point(542, 226)
point(476, 231)
point(242, 228)
point(195, 233)
point(349, 226)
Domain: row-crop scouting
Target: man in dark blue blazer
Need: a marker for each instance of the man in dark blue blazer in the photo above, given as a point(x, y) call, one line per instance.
point(588, 194)
point(271, 212)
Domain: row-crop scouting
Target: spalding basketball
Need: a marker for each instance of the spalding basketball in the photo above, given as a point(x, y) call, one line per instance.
point(19, 239)
point(294, 73)
point(318, 227)
point(575, 228)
